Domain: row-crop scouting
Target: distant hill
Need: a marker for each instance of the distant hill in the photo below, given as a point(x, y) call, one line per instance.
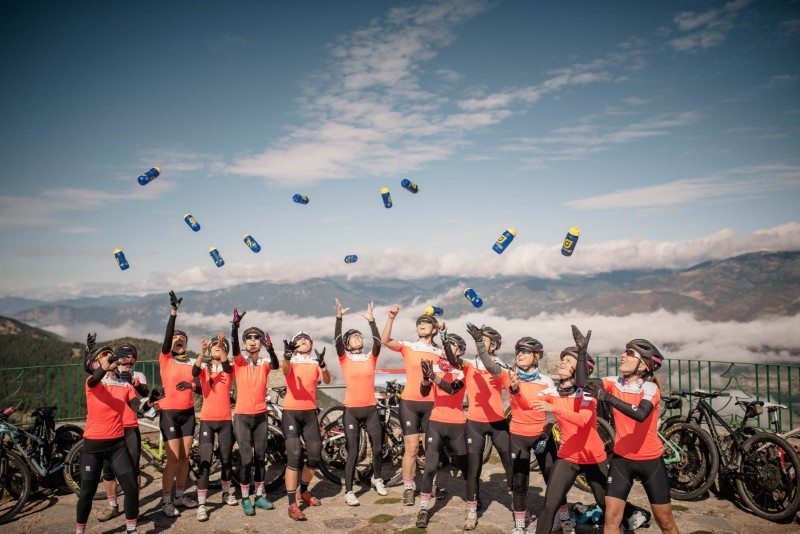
point(742, 288)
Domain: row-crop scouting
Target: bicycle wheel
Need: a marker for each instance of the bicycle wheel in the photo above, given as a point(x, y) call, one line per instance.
point(767, 480)
point(670, 421)
point(607, 434)
point(15, 485)
point(330, 414)
point(66, 438)
point(487, 449)
point(72, 474)
point(335, 453)
point(692, 460)
point(274, 459)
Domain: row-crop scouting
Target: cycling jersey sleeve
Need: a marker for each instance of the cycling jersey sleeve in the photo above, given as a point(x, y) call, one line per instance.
point(448, 352)
point(425, 387)
point(376, 338)
point(580, 418)
point(523, 401)
point(492, 366)
point(236, 349)
point(637, 413)
point(166, 348)
point(337, 338)
point(227, 367)
point(273, 358)
point(450, 388)
point(97, 377)
point(196, 369)
point(581, 372)
point(142, 389)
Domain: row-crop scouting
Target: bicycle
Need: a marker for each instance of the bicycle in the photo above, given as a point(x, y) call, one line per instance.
point(762, 466)
point(30, 458)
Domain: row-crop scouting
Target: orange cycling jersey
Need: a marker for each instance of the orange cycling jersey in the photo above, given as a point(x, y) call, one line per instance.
point(216, 393)
point(301, 384)
point(119, 389)
point(449, 408)
point(359, 377)
point(251, 384)
point(104, 408)
point(576, 416)
point(413, 354)
point(172, 372)
point(485, 394)
point(527, 422)
point(635, 440)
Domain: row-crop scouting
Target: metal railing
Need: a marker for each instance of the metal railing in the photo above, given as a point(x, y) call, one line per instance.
point(63, 385)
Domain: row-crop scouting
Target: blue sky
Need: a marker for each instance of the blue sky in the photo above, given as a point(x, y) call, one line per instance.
point(668, 132)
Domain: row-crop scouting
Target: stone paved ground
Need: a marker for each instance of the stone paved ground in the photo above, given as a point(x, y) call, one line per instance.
point(375, 515)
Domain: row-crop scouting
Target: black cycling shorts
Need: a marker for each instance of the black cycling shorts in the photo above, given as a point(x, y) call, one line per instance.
point(653, 474)
point(176, 424)
point(414, 416)
point(301, 423)
point(438, 432)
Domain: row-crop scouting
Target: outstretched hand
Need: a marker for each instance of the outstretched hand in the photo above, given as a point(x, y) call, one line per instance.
point(91, 341)
point(475, 332)
point(340, 310)
point(595, 390)
point(237, 317)
point(174, 301)
point(370, 314)
point(427, 369)
point(581, 341)
point(513, 380)
point(320, 357)
point(288, 349)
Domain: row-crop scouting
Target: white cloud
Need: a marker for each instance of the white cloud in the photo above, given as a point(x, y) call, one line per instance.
point(180, 161)
point(706, 29)
point(738, 183)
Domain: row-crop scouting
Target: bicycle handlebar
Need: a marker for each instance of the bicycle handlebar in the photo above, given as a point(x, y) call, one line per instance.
point(701, 394)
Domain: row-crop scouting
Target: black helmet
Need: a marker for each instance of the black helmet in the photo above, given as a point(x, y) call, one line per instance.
point(647, 351)
point(529, 343)
point(127, 350)
point(215, 341)
point(350, 333)
point(494, 335)
point(181, 333)
point(253, 330)
point(572, 351)
point(91, 363)
point(458, 340)
point(426, 319)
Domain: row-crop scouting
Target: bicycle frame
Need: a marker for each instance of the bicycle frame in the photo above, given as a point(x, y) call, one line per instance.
point(156, 453)
point(708, 414)
point(13, 433)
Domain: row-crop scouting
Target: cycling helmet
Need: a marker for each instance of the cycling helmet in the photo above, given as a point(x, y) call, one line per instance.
point(301, 335)
point(225, 344)
point(126, 350)
point(426, 319)
point(253, 330)
point(181, 333)
point(347, 335)
point(647, 351)
point(458, 340)
point(530, 343)
point(92, 361)
point(572, 351)
point(494, 335)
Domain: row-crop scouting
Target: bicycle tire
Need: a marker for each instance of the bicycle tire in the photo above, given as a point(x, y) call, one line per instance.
point(697, 469)
point(670, 421)
point(768, 481)
point(15, 485)
point(392, 450)
point(66, 438)
point(274, 459)
point(332, 413)
point(335, 454)
point(72, 474)
point(607, 434)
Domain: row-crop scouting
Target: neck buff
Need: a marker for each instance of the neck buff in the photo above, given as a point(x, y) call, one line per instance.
point(527, 376)
point(565, 391)
point(180, 357)
point(444, 365)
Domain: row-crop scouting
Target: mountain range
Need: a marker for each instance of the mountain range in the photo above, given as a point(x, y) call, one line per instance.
point(743, 288)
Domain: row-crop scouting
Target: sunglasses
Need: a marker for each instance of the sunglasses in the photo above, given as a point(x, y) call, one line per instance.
point(253, 336)
point(632, 353)
point(527, 351)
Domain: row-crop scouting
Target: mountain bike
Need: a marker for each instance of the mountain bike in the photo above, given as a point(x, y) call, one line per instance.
point(29, 458)
point(763, 467)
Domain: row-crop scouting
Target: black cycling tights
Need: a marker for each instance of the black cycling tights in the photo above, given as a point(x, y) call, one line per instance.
point(434, 444)
point(476, 441)
point(521, 448)
point(224, 433)
point(562, 477)
point(251, 435)
point(353, 419)
point(91, 470)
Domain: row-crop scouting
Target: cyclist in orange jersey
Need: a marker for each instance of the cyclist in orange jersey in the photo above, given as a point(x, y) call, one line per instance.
point(582, 449)
point(444, 380)
point(250, 424)
point(638, 453)
point(216, 381)
point(104, 436)
point(415, 407)
point(360, 409)
point(302, 371)
point(177, 412)
point(529, 429)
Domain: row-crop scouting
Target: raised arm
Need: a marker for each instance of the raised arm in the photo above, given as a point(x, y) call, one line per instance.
point(236, 349)
point(386, 336)
point(492, 366)
point(323, 367)
point(338, 342)
point(582, 344)
point(373, 328)
point(175, 302)
point(637, 412)
point(197, 368)
point(286, 364)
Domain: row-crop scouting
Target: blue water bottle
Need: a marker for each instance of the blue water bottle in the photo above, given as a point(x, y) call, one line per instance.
point(251, 243)
point(149, 176)
point(120, 256)
point(300, 199)
point(216, 257)
point(504, 240)
point(192, 222)
point(410, 186)
point(473, 297)
point(387, 197)
point(570, 241)
point(433, 310)
point(352, 258)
